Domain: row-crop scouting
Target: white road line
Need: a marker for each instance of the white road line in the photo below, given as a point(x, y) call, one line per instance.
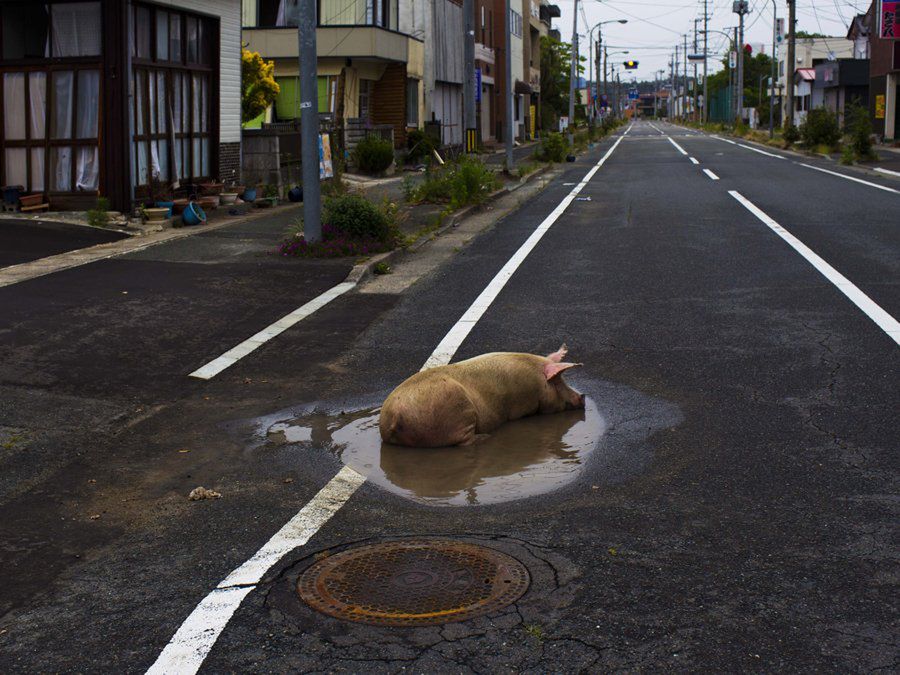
point(855, 180)
point(628, 129)
point(711, 175)
point(885, 321)
point(235, 354)
point(445, 351)
point(677, 147)
point(693, 161)
point(195, 638)
point(661, 132)
point(762, 152)
point(887, 171)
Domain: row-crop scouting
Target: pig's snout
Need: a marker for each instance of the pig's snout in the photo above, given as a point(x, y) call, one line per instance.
point(575, 402)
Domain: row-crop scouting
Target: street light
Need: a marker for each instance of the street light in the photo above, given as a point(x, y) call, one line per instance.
point(599, 42)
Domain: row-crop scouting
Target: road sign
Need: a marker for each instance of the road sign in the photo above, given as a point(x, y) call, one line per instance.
point(478, 85)
point(633, 94)
point(888, 17)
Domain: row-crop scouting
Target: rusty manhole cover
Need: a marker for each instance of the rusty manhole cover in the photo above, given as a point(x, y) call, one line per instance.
point(413, 583)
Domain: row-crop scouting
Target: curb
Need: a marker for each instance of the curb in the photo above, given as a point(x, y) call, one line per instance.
point(364, 270)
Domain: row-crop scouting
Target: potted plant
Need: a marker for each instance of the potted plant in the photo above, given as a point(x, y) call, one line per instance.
point(154, 214)
point(211, 188)
point(270, 196)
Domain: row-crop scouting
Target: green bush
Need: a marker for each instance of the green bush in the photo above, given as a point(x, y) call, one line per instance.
point(859, 128)
point(791, 134)
point(420, 145)
point(357, 217)
point(98, 216)
point(465, 181)
point(820, 128)
point(554, 148)
point(373, 154)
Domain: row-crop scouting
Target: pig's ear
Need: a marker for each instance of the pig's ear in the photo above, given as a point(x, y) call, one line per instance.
point(552, 370)
point(559, 354)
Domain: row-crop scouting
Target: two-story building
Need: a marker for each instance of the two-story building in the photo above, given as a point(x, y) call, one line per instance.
point(884, 73)
point(810, 52)
point(104, 98)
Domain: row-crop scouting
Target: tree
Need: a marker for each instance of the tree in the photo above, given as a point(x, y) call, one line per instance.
point(556, 64)
point(258, 85)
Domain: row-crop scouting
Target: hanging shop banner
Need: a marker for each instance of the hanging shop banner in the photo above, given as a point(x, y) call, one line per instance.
point(478, 85)
point(326, 167)
point(888, 14)
point(879, 106)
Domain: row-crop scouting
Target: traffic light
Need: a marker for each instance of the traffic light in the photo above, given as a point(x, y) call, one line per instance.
point(631, 65)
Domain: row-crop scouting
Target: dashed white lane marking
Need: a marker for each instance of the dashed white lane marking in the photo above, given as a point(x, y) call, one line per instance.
point(235, 354)
point(887, 171)
point(693, 160)
point(677, 147)
point(195, 638)
point(855, 180)
point(885, 321)
point(711, 175)
point(452, 341)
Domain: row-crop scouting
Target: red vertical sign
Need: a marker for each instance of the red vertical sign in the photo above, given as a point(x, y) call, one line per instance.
point(888, 19)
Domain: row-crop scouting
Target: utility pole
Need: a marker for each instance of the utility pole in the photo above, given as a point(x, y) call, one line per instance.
point(675, 83)
point(742, 8)
point(734, 78)
point(605, 64)
point(684, 93)
point(706, 60)
point(309, 121)
point(510, 95)
point(469, 94)
point(573, 70)
point(791, 62)
point(670, 104)
point(599, 101)
point(696, 89)
point(772, 79)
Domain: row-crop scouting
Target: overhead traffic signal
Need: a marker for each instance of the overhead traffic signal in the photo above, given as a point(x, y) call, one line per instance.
point(631, 65)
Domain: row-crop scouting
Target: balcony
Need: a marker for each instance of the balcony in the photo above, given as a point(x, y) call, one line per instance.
point(371, 42)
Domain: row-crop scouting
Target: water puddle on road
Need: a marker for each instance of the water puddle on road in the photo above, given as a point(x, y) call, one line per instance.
point(521, 459)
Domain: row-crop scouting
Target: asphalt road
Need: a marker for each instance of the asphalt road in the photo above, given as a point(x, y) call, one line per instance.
point(738, 512)
point(27, 240)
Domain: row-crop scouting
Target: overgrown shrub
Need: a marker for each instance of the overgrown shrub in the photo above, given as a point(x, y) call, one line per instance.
point(791, 134)
point(420, 145)
point(351, 226)
point(373, 154)
point(820, 128)
point(98, 216)
point(462, 182)
point(356, 216)
point(554, 148)
point(859, 129)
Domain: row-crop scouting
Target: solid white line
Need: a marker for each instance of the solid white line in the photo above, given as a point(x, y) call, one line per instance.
point(194, 639)
point(445, 351)
point(710, 174)
point(252, 343)
point(661, 132)
point(693, 160)
point(628, 129)
point(885, 321)
point(677, 147)
point(887, 171)
point(855, 180)
point(762, 152)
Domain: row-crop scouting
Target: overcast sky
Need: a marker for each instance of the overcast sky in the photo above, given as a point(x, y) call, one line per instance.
point(655, 26)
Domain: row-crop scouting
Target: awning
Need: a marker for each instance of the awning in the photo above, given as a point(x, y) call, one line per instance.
point(805, 75)
point(522, 87)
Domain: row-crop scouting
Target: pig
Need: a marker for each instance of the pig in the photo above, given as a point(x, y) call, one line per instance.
point(457, 403)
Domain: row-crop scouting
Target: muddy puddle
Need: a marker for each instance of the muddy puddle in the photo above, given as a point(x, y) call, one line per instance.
point(521, 459)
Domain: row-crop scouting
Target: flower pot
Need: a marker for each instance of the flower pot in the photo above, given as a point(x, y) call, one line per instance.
point(166, 205)
point(156, 215)
point(179, 205)
point(266, 202)
point(249, 195)
point(31, 200)
point(209, 203)
point(295, 194)
point(211, 188)
point(228, 197)
point(193, 214)
point(237, 189)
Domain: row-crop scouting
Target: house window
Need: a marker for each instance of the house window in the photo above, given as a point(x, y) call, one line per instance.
point(287, 103)
point(50, 125)
point(412, 102)
point(365, 93)
point(515, 23)
point(173, 109)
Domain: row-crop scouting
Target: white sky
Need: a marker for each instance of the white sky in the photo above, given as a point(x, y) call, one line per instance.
point(655, 26)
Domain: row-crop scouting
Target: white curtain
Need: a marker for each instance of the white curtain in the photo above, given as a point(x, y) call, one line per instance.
point(288, 13)
point(37, 170)
point(88, 105)
point(87, 169)
point(37, 89)
point(61, 169)
point(75, 29)
point(15, 167)
point(61, 122)
point(13, 108)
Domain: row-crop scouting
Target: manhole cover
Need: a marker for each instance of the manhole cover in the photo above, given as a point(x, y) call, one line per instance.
point(413, 583)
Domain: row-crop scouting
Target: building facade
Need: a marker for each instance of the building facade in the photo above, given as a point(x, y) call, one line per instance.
point(810, 52)
point(884, 79)
point(118, 98)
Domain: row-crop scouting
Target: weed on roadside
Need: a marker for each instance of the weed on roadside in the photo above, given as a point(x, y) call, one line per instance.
point(98, 216)
point(535, 631)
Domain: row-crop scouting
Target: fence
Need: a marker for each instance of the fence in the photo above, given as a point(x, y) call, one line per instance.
point(721, 108)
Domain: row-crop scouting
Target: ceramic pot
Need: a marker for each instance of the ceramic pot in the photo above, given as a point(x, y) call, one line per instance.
point(193, 214)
